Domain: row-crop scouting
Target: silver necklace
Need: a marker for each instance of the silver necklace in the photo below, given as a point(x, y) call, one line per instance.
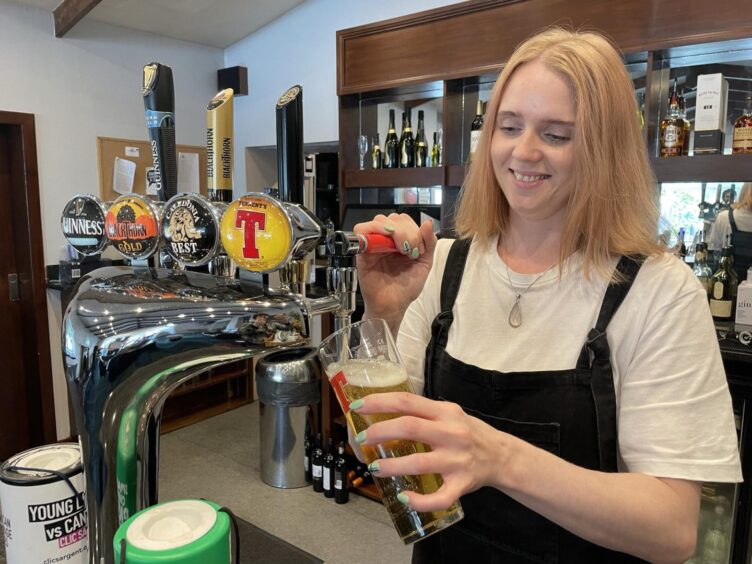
point(515, 314)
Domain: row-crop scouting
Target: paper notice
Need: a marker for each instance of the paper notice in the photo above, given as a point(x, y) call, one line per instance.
point(132, 152)
point(122, 176)
point(188, 173)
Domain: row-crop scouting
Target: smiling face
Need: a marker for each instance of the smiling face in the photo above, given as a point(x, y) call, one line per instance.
point(532, 145)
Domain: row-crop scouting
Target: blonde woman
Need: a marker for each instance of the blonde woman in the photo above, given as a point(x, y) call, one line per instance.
point(574, 395)
point(735, 225)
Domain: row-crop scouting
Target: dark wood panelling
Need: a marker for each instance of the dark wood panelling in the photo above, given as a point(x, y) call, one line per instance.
point(22, 203)
point(433, 176)
point(472, 38)
point(704, 168)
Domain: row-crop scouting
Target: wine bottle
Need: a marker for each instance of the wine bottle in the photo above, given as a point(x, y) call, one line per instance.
point(317, 466)
point(421, 143)
point(724, 287)
point(376, 153)
point(307, 451)
point(436, 159)
point(407, 144)
point(476, 126)
point(391, 145)
point(329, 469)
point(341, 490)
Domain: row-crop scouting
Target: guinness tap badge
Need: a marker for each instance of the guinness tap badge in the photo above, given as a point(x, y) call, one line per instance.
point(131, 226)
point(190, 227)
point(83, 224)
point(256, 233)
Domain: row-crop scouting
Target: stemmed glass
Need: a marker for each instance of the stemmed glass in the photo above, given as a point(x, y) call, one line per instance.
point(362, 149)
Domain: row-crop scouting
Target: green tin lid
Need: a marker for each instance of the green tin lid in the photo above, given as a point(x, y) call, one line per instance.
point(187, 531)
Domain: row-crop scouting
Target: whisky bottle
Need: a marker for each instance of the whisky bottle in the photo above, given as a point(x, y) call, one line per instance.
point(724, 287)
point(687, 125)
point(391, 145)
point(672, 129)
point(742, 142)
point(701, 268)
point(376, 153)
point(421, 143)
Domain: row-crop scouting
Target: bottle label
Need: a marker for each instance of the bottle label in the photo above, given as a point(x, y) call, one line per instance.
point(720, 308)
point(327, 479)
point(718, 290)
point(338, 484)
point(317, 471)
point(306, 463)
point(671, 136)
point(75, 273)
point(474, 138)
point(742, 139)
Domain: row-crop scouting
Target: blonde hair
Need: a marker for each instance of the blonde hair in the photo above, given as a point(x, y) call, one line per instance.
point(745, 197)
point(612, 206)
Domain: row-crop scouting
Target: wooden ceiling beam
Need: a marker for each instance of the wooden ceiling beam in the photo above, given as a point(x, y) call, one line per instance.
point(70, 12)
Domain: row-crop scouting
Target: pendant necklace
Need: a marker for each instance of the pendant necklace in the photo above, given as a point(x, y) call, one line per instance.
point(515, 314)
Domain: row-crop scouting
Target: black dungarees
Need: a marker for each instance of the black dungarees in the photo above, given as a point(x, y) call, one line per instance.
point(742, 242)
point(571, 413)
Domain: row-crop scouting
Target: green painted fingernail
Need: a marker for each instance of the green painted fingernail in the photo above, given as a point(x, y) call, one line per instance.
point(406, 247)
point(360, 437)
point(357, 404)
point(403, 499)
point(373, 467)
point(415, 253)
point(388, 228)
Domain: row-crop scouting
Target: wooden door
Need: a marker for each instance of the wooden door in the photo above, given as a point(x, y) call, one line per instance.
point(27, 415)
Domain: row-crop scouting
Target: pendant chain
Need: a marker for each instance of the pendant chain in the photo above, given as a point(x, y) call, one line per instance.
point(515, 314)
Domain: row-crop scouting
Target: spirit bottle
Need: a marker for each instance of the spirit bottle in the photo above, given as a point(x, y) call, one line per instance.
point(743, 130)
point(672, 129)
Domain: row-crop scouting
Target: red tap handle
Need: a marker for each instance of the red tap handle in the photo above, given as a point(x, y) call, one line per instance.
point(376, 243)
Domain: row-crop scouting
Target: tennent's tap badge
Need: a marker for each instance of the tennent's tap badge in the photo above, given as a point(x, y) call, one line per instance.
point(257, 233)
point(131, 226)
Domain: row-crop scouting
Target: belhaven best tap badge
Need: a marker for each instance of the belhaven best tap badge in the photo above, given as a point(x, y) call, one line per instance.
point(257, 233)
point(131, 226)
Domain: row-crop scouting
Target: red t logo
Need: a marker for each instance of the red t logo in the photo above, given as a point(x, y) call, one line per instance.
point(249, 221)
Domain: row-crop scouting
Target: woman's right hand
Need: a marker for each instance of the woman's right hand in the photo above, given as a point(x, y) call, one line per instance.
point(389, 282)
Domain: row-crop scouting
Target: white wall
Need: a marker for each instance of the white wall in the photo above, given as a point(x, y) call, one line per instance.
point(300, 48)
point(85, 85)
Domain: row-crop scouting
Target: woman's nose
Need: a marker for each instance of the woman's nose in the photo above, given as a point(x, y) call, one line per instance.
point(527, 147)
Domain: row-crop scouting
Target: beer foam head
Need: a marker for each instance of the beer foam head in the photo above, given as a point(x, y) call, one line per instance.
point(371, 373)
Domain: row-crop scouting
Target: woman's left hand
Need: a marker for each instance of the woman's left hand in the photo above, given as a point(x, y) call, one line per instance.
point(467, 452)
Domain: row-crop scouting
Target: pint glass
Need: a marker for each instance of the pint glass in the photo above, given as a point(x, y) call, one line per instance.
point(362, 359)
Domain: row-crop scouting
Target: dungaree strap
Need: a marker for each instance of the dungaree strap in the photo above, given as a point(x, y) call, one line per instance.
point(732, 221)
point(602, 376)
point(453, 270)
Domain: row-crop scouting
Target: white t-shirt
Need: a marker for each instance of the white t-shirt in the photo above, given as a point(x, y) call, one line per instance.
point(722, 227)
point(674, 415)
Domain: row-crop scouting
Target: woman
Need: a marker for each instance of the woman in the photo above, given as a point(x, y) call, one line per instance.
point(575, 419)
point(735, 226)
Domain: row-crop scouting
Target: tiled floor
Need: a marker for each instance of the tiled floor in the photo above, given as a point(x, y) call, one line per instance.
point(218, 460)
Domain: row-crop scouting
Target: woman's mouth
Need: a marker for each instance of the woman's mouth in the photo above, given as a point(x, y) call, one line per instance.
point(528, 177)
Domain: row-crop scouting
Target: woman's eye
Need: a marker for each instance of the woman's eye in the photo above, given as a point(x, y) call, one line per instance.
point(557, 138)
point(509, 129)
